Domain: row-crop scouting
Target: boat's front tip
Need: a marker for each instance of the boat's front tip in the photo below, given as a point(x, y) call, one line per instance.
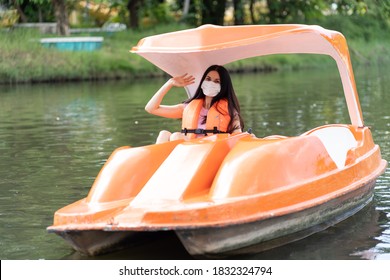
point(95, 242)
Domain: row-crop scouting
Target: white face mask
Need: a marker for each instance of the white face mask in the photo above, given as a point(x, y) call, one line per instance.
point(210, 88)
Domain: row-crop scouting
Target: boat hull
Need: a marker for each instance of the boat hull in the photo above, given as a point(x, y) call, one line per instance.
point(235, 239)
point(97, 242)
point(222, 211)
point(261, 235)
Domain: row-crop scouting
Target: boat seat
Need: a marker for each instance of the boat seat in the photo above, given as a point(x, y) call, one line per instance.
point(188, 171)
point(338, 140)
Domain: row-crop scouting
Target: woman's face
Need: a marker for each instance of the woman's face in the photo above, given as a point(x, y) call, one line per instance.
point(213, 76)
point(211, 85)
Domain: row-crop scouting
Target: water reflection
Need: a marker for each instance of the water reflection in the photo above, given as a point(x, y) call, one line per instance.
point(160, 245)
point(55, 138)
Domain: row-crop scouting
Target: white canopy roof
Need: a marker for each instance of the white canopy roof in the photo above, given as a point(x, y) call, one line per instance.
point(194, 50)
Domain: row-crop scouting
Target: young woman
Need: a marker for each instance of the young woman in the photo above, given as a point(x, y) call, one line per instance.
point(214, 108)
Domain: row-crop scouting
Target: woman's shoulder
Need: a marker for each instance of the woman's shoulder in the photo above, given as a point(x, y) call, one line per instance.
point(222, 106)
point(222, 102)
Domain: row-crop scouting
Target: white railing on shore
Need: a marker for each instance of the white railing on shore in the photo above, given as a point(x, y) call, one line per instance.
point(71, 39)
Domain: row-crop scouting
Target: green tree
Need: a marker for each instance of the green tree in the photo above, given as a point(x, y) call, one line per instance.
point(350, 7)
point(42, 10)
point(285, 11)
point(134, 7)
point(157, 11)
point(213, 12)
point(379, 9)
point(238, 12)
point(191, 11)
point(31, 10)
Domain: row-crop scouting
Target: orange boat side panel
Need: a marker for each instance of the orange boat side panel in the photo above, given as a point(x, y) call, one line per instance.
point(291, 197)
point(283, 162)
point(279, 202)
point(365, 144)
point(223, 179)
point(127, 171)
point(257, 166)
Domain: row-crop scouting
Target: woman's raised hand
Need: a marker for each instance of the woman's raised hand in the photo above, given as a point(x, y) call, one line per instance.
point(182, 81)
point(169, 111)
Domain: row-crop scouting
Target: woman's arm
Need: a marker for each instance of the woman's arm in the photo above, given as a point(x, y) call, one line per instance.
point(236, 124)
point(174, 111)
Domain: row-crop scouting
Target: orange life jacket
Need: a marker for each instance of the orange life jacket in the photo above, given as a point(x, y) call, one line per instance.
point(217, 117)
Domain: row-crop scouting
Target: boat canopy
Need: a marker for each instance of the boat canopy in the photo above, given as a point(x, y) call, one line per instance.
point(194, 50)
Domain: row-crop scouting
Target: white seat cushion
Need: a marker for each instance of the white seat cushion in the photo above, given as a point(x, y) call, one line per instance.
point(337, 141)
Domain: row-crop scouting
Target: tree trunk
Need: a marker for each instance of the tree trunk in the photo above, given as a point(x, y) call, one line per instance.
point(61, 17)
point(133, 7)
point(22, 15)
point(40, 16)
point(238, 12)
point(251, 9)
point(186, 8)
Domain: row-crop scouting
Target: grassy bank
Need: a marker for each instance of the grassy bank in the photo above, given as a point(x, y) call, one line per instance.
point(24, 59)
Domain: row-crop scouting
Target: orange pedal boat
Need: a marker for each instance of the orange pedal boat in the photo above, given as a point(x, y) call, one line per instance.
point(231, 194)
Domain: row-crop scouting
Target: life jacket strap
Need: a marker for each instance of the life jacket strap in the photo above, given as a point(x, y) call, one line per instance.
point(202, 131)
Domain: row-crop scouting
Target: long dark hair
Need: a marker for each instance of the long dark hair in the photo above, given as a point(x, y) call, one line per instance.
point(227, 92)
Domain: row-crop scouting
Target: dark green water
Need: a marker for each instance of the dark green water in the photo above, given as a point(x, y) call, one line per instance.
point(55, 138)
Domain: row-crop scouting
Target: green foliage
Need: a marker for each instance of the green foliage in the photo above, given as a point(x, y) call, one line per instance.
point(35, 10)
point(24, 59)
point(356, 26)
point(281, 11)
point(154, 12)
point(159, 12)
point(193, 18)
point(8, 18)
point(379, 9)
